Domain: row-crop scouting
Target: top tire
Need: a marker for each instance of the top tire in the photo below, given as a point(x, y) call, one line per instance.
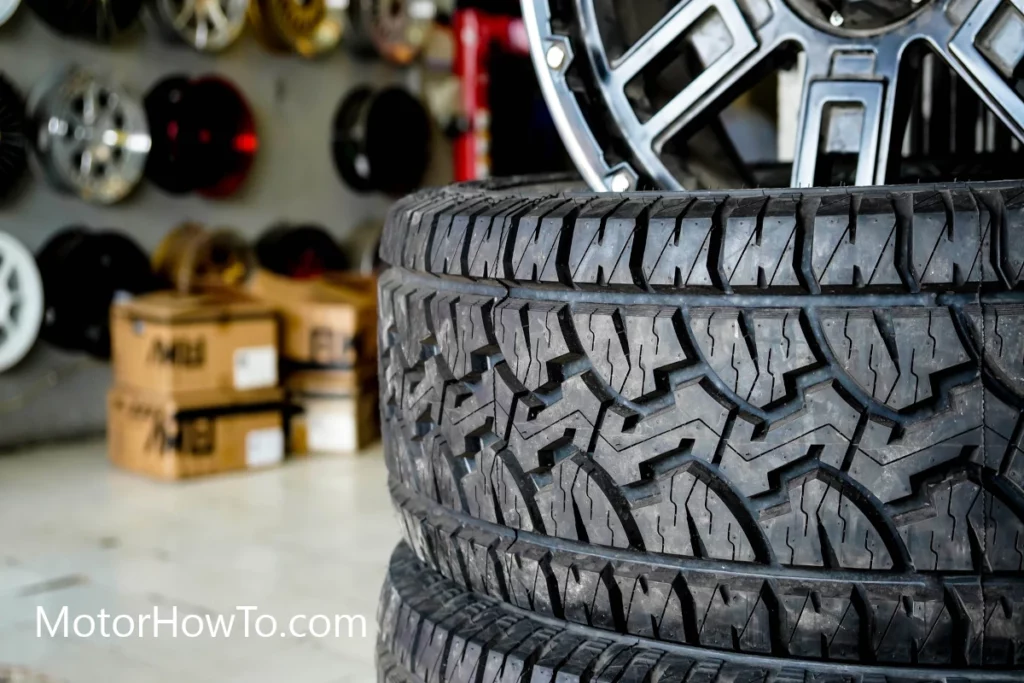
point(774, 423)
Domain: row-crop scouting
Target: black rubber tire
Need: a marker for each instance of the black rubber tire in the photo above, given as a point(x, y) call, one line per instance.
point(778, 424)
point(432, 629)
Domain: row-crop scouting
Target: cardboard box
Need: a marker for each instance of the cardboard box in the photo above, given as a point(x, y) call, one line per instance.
point(176, 343)
point(190, 435)
point(330, 414)
point(325, 325)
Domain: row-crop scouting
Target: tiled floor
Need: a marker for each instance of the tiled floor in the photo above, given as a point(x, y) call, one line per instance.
point(311, 537)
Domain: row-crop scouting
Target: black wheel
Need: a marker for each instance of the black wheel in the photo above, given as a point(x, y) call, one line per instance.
point(758, 435)
point(167, 162)
point(381, 141)
point(299, 251)
point(82, 273)
point(97, 21)
point(204, 136)
point(13, 146)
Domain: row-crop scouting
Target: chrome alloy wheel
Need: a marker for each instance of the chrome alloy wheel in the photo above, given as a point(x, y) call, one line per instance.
point(91, 137)
point(599, 63)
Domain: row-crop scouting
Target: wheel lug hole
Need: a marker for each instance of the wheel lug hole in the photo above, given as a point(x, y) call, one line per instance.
point(836, 19)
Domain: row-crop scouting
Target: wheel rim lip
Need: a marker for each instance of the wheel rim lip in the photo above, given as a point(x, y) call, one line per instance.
point(32, 307)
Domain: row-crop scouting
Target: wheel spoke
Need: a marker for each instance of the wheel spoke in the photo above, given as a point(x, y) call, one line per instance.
point(188, 8)
point(846, 109)
point(85, 165)
point(737, 36)
point(216, 16)
point(657, 39)
point(90, 105)
point(729, 49)
point(743, 45)
point(985, 51)
point(202, 32)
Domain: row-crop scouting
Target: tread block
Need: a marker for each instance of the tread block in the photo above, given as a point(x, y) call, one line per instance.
point(854, 244)
point(688, 509)
point(758, 249)
point(602, 241)
point(755, 354)
point(896, 356)
point(634, 351)
point(532, 342)
point(530, 254)
point(826, 522)
point(679, 243)
point(951, 241)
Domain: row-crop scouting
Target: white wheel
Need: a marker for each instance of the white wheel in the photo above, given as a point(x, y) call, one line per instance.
point(21, 301)
point(7, 9)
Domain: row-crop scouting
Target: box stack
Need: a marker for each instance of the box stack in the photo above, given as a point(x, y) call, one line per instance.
point(196, 385)
point(328, 359)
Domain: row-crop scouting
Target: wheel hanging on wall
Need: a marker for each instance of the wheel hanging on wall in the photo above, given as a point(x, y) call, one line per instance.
point(204, 136)
point(21, 301)
point(98, 21)
point(82, 273)
point(308, 27)
point(299, 251)
point(192, 258)
point(91, 137)
point(13, 154)
point(207, 25)
point(165, 164)
point(396, 29)
point(226, 140)
point(381, 140)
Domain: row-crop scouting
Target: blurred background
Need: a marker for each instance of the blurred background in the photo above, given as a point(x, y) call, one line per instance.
point(192, 194)
point(316, 116)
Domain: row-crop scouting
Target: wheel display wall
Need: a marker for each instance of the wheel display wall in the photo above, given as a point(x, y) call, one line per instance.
point(760, 435)
point(293, 179)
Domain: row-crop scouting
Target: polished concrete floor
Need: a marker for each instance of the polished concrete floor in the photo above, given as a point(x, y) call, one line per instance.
point(311, 537)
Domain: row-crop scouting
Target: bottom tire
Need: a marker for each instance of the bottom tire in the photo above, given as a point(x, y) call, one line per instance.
point(434, 631)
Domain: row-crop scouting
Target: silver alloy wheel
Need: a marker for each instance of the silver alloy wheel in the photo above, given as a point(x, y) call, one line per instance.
point(848, 70)
point(91, 136)
point(21, 301)
point(397, 29)
point(207, 25)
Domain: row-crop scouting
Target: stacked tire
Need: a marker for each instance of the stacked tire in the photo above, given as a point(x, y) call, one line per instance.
point(755, 436)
